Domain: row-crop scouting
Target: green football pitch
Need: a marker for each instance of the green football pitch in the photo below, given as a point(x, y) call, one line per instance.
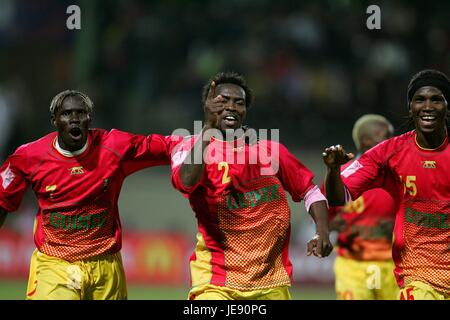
point(15, 290)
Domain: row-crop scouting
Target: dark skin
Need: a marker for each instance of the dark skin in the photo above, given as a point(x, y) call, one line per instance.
point(377, 132)
point(428, 108)
point(320, 244)
point(225, 109)
point(72, 123)
point(334, 157)
point(225, 100)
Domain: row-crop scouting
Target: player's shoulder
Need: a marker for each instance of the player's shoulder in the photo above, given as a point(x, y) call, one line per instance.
point(108, 134)
point(186, 140)
point(36, 147)
point(402, 139)
point(116, 133)
point(112, 137)
point(400, 142)
point(171, 138)
point(272, 148)
point(271, 144)
point(393, 145)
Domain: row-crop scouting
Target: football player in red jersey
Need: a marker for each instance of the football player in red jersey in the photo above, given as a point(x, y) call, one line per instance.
point(76, 174)
point(363, 267)
point(237, 191)
point(413, 168)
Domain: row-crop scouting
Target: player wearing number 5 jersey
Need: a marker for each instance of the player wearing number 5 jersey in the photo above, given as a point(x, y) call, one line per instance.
point(413, 168)
point(76, 174)
point(237, 191)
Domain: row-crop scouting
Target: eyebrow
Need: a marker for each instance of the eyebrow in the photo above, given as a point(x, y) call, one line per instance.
point(225, 95)
point(441, 95)
point(73, 109)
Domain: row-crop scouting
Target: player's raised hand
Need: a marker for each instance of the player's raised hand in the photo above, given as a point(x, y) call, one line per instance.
point(213, 107)
point(336, 156)
point(319, 245)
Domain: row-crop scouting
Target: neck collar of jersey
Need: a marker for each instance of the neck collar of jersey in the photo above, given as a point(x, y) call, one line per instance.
point(238, 141)
point(441, 147)
point(69, 154)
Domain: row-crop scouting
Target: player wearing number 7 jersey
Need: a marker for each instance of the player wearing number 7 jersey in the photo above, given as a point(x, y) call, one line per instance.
point(413, 168)
point(237, 191)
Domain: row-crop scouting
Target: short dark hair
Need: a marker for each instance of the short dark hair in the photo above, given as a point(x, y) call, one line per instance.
point(58, 100)
point(429, 77)
point(233, 78)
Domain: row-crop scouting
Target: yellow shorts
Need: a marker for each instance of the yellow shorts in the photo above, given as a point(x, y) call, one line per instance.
point(212, 292)
point(97, 278)
point(365, 280)
point(418, 290)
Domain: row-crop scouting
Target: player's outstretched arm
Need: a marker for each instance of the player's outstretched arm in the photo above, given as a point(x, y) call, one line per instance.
point(334, 157)
point(320, 244)
point(3, 215)
point(192, 168)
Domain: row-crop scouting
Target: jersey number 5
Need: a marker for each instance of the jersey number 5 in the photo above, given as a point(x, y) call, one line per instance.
point(409, 185)
point(225, 177)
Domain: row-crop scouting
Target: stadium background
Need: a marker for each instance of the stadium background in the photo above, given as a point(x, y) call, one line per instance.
point(313, 65)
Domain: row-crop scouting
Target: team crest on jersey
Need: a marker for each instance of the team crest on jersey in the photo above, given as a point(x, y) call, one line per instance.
point(429, 164)
point(7, 176)
point(50, 189)
point(76, 170)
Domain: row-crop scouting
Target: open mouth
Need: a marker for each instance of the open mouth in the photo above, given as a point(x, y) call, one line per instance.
point(427, 120)
point(230, 121)
point(75, 133)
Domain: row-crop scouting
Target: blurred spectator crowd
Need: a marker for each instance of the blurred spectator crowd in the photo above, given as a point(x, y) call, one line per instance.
point(313, 65)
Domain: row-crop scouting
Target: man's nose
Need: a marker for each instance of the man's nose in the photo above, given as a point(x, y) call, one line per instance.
point(428, 104)
point(74, 117)
point(230, 105)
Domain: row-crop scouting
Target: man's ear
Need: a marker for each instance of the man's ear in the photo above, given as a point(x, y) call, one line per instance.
point(365, 141)
point(53, 120)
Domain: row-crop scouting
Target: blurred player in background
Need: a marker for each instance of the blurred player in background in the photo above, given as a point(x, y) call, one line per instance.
point(414, 168)
point(76, 174)
point(241, 206)
point(364, 266)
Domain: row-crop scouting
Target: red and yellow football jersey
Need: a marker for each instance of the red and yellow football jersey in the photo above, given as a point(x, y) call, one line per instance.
point(418, 179)
point(77, 196)
point(242, 212)
point(366, 225)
